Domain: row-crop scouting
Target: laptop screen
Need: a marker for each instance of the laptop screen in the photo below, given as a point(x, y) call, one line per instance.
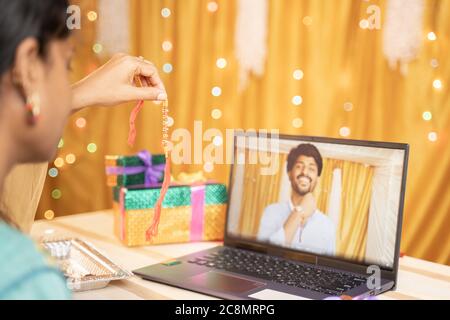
point(334, 199)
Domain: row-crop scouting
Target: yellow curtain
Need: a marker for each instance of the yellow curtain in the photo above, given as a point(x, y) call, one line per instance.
point(354, 218)
point(259, 191)
point(341, 63)
point(323, 188)
point(351, 232)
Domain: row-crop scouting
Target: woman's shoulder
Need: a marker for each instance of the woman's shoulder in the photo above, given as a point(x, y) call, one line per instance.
point(25, 272)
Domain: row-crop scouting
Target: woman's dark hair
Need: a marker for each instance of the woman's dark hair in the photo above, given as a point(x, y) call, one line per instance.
point(44, 20)
point(308, 150)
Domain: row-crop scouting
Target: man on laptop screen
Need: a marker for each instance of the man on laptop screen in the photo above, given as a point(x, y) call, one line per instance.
point(298, 223)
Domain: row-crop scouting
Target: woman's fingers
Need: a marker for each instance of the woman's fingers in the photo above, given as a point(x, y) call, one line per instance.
point(149, 71)
point(147, 93)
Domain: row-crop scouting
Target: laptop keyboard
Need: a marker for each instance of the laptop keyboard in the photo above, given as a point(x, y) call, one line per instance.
point(280, 271)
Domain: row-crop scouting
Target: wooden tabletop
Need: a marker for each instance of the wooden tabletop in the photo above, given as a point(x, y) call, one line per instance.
point(418, 279)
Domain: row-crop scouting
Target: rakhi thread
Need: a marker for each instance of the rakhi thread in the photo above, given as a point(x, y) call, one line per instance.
point(152, 231)
point(134, 113)
point(133, 116)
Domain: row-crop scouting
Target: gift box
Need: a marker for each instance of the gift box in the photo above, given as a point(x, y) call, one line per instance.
point(140, 169)
point(193, 212)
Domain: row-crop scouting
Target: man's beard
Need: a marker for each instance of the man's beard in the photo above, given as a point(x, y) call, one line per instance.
point(297, 185)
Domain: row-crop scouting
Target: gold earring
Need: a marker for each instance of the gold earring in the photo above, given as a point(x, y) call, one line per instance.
point(33, 107)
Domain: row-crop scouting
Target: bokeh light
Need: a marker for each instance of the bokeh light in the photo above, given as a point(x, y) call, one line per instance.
point(165, 12)
point(297, 100)
point(298, 74)
point(212, 6)
point(167, 68)
point(208, 167)
point(71, 158)
point(431, 36)
point(437, 84)
point(59, 162)
point(307, 21)
point(216, 91)
point(167, 46)
point(218, 141)
point(216, 114)
point(92, 148)
point(49, 215)
point(53, 172)
point(221, 63)
point(297, 123)
point(97, 48)
point(170, 121)
point(364, 24)
point(427, 116)
point(81, 122)
point(348, 106)
point(92, 15)
point(433, 136)
point(56, 194)
point(434, 63)
point(344, 131)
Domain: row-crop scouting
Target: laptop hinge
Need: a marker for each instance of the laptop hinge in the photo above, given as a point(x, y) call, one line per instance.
point(306, 258)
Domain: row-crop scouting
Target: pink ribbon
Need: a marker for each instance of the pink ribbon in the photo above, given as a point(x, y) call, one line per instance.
point(198, 205)
point(122, 213)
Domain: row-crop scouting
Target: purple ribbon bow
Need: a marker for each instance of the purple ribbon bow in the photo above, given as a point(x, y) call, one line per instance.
point(153, 173)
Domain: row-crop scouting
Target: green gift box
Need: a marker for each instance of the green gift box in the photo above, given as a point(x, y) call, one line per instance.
point(140, 169)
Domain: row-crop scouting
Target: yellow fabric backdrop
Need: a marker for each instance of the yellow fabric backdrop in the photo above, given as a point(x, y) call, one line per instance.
point(341, 63)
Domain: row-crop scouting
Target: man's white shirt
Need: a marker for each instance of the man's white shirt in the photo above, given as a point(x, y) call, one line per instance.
point(318, 235)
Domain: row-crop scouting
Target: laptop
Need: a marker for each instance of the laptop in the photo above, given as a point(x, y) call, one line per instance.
point(307, 218)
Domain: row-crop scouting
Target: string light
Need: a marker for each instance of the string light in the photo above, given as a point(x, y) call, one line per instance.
point(92, 148)
point(56, 194)
point(53, 172)
point(216, 114)
point(221, 63)
point(297, 123)
point(212, 6)
point(208, 167)
point(434, 63)
point(60, 143)
point(49, 215)
point(432, 136)
point(170, 121)
point(71, 158)
point(431, 36)
point(427, 116)
point(218, 141)
point(216, 91)
point(297, 100)
point(167, 46)
point(307, 21)
point(437, 84)
point(92, 15)
point(81, 123)
point(344, 131)
point(97, 48)
point(364, 24)
point(165, 12)
point(167, 68)
point(298, 74)
point(348, 106)
point(59, 162)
